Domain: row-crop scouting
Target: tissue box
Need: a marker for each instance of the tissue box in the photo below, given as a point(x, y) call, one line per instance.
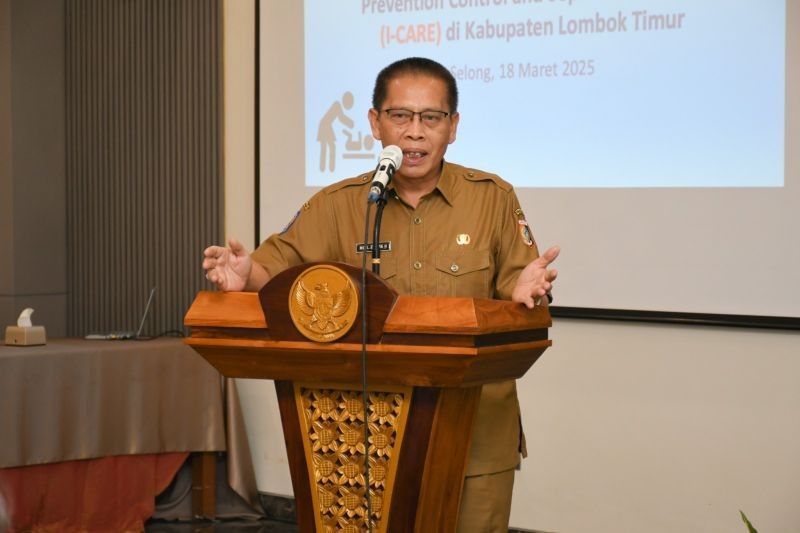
point(31, 336)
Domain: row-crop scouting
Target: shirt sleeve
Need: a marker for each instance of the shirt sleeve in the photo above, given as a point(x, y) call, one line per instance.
point(307, 238)
point(517, 247)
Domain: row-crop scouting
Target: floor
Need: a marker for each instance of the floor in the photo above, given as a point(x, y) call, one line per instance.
point(235, 526)
point(220, 526)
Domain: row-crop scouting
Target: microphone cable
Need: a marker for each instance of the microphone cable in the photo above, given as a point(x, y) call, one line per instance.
point(364, 339)
point(395, 156)
point(376, 234)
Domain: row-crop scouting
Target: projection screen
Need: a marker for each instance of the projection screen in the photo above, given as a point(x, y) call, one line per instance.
point(655, 141)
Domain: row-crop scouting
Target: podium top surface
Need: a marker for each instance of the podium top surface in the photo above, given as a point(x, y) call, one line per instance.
point(409, 315)
point(412, 340)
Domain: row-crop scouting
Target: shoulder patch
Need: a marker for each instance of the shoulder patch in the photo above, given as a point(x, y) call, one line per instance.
point(363, 179)
point(525, 233)
point(524, 228)
point(472, 174)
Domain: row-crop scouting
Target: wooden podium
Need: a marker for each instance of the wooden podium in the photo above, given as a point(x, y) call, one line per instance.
point(427, 360)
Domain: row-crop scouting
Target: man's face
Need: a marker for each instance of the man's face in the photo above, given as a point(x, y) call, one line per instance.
point(423, 145)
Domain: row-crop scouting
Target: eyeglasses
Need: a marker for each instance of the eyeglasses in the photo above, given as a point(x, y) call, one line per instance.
point(403, 117)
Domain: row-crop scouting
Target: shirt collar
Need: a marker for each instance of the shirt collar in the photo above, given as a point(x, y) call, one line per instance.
point(445, 185)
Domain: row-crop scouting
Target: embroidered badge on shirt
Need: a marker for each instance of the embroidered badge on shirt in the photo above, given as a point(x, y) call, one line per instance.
point(525, 233)
point(462, 239)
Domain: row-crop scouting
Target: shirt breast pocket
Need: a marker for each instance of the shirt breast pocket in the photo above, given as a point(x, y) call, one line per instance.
point(388, 269)
point(464, 274)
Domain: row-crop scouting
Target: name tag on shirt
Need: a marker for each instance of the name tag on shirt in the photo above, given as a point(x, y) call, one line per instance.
point(382, 246)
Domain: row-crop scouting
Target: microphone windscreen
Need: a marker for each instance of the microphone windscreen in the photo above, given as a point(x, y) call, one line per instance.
point(392, 153)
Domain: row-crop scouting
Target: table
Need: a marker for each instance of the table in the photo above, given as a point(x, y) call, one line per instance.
point(106, 414)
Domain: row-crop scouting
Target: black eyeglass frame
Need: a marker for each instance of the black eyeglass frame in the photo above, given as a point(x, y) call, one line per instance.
point(441, 115)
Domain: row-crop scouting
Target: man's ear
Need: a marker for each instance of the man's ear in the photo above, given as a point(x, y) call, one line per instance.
point(372, 115)
point(453, 127)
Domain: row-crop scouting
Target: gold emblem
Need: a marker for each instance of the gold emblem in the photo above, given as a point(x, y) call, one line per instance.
point(462, 239)
point(323, 303)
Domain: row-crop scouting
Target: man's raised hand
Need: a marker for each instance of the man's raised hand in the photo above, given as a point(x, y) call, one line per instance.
point(228, 268)
point(535, 280)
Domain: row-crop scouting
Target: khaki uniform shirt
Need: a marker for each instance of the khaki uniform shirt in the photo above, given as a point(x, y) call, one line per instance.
point(466, 238)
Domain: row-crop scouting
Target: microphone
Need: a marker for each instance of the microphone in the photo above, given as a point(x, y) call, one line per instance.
point(390, 160)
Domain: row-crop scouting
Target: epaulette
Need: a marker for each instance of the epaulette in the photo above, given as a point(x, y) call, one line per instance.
point(362, 179)
point(472, 174)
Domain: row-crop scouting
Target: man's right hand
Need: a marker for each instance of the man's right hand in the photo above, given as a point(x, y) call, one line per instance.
point(228, 268)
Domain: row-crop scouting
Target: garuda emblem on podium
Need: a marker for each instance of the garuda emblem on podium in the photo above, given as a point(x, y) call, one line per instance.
point(323, 303)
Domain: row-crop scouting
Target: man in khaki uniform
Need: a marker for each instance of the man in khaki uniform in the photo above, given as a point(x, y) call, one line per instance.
point(453, 231)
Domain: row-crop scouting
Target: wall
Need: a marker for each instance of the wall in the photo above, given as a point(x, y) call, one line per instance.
point(32, 178)
point(635, 427)
point(239, 119)
point(110, 160)
point(144, 168)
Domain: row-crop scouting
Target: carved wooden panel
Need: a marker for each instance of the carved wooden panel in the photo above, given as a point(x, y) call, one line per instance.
point(332, 427)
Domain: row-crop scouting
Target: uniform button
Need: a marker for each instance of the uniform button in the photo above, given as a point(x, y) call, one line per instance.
point(417, 220)
point(365, 178)
point(454, 267)
point(470, 174)
point(417, 265)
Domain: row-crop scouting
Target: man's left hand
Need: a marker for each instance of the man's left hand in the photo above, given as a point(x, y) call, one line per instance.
point(535, 280)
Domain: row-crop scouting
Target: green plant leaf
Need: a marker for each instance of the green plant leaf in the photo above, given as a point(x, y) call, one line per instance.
point(750, 527)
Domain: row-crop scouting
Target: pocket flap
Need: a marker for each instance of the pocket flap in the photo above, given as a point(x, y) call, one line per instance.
point(461, 263)
point(388, 266)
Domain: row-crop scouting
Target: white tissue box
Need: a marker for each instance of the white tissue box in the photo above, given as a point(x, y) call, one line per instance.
point(29, 336)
